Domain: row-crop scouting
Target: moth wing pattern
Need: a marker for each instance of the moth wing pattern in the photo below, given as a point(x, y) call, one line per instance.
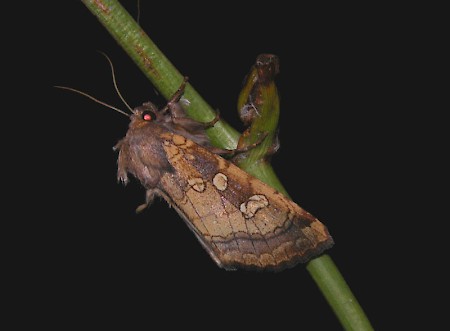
point(239, 220)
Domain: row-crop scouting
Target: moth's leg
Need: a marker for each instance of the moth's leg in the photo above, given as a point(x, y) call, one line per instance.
point(233, 152)
point(274, 148)
point(210, 124)
point(118, 145)
point(187, 122)
point(150, 178)
point(178, 115)
point(244, 149)
point(175, 97)
point(149, 197)
point(122, 162)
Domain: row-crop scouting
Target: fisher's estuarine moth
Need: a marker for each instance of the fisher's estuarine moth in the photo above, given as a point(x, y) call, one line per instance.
point(240, 221)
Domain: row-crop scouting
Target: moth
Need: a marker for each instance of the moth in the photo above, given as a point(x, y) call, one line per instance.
point(240, 221)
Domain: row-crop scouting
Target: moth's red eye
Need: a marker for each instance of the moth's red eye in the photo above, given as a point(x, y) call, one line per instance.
point(148, 116)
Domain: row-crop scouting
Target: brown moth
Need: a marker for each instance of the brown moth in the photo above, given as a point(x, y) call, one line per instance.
point(239, 220)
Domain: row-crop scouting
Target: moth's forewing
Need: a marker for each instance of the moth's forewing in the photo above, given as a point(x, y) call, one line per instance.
point(240, 221)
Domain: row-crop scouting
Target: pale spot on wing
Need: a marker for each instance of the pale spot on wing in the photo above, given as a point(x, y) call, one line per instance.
point(220, 181)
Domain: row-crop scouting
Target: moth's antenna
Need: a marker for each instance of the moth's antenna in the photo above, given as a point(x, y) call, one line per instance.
point(114, 81)
point(138, 11)
point(92, 98)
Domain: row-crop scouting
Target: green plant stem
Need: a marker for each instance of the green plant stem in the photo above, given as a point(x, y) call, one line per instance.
point(158, 69)
point(259, 107)
point(166, 79)
point(341, 299)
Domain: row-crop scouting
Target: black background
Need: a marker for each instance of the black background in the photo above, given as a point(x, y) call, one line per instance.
point(342, 87)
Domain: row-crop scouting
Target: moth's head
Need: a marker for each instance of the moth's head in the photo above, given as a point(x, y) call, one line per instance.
point(146, 113)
